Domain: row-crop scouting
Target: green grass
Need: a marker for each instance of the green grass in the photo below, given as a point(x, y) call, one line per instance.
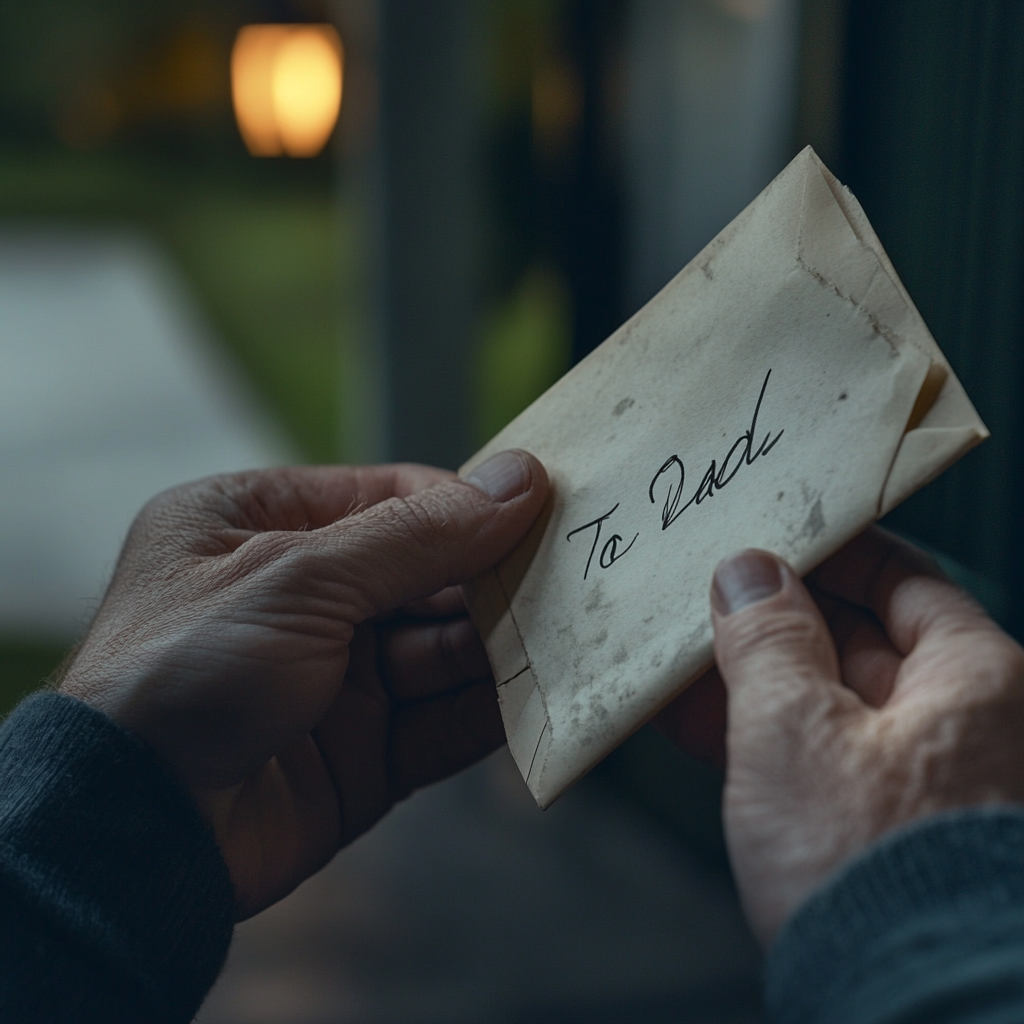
point(269, 273)
point(524, 349)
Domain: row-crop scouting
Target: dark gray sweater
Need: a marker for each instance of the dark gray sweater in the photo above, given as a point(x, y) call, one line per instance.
point(116, 906)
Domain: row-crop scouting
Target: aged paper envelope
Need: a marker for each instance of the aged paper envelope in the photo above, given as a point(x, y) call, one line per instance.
point(781, 392)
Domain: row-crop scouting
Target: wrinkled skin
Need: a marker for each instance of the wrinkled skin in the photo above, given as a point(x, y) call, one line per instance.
point(292, 644)
point(887, 696)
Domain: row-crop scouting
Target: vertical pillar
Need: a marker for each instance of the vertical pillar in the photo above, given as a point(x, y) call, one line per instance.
point(416, 192)
point(428, 140)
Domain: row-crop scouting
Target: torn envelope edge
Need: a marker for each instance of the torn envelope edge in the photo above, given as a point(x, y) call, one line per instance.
point(943, 426)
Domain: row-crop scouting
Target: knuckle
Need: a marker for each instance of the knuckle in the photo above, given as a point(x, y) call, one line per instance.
point(273, 546)
point(189, 512)
point(158, 534)
point(231, 497)
point(420, 522)
point(164, 508)
point(768, 629)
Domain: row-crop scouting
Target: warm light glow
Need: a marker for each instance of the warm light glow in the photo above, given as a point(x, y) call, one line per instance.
point(286, 86)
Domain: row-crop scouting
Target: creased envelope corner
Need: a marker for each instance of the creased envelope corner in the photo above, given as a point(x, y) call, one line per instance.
point(520, 700)
point(924, 454)
point(781, 392)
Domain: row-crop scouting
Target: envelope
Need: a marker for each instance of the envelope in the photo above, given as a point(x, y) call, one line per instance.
point(781, 392)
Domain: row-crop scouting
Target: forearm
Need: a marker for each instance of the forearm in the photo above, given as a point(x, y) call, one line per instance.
point(114, 901)
point(928, 925)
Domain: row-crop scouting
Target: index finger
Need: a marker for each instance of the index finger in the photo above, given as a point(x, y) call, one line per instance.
point(904, 588)
point(324, 494)
point(219, 513)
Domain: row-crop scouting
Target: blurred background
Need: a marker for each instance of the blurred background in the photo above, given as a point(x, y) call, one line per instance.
point(237, 233)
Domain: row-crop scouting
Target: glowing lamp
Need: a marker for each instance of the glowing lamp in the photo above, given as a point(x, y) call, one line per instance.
point(286, 87)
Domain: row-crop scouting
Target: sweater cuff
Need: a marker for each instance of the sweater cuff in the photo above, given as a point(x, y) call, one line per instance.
point(99, 839)
point(930, 915)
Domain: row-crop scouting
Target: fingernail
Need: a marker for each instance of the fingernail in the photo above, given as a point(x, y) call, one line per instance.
point(744, 579)
point(502, 476)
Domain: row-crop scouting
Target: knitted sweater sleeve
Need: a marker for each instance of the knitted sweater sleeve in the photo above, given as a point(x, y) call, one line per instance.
point(926, 926)
point(115, 904)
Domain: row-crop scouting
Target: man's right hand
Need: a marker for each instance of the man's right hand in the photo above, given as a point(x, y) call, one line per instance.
point(895, 699)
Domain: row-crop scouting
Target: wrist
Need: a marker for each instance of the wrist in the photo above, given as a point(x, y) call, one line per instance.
point(101, 840)
point(927, 892)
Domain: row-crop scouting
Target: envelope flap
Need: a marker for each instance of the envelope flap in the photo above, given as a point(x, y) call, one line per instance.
point(951, 408)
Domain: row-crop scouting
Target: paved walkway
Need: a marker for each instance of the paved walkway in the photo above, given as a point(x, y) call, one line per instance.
point(110, 391)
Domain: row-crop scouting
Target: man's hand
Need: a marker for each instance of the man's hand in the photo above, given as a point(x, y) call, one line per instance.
point(291, 644)
point(891, 698)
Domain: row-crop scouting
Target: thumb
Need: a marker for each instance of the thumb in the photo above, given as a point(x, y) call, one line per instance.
point(787, 712)
point(771, 643)
point(403, 549)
